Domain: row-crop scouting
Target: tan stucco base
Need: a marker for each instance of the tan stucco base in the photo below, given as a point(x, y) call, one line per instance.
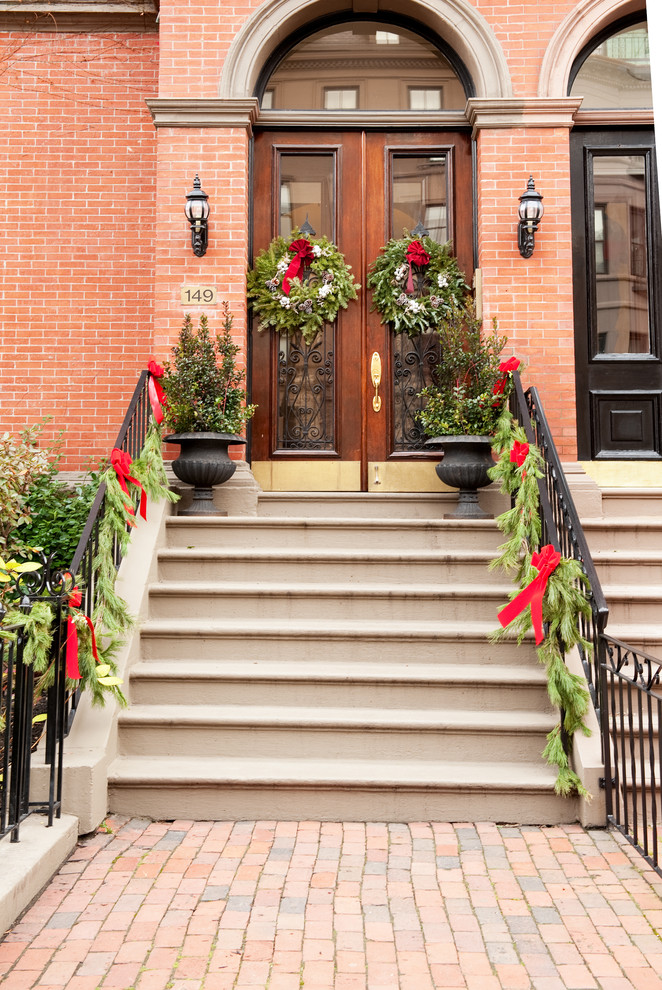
point(625, 474)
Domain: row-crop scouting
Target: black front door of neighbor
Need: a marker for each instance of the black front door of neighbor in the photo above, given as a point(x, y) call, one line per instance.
point(616, 257)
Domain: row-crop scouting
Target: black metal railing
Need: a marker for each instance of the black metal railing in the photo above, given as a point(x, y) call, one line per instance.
point(18, 705)
point(562, 528)
point(624, 682)
point(633, 751)
point(130, 438)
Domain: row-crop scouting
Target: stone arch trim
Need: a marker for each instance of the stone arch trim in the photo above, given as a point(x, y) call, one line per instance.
point(456, 21)
point(576, 30)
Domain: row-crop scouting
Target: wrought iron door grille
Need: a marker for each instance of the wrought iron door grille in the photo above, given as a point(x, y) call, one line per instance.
point(414, 360)
point(306, 392)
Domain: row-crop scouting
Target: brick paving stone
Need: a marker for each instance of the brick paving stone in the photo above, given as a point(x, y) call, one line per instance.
point(342, 906)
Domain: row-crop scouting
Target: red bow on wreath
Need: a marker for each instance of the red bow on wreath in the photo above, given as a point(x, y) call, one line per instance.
point(73, 670)
point(304, 253)
point(156, 393)
point(416, 255)
point(546, 562)
point(121, 461)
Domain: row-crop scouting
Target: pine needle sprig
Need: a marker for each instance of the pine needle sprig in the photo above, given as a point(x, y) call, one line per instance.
point(149, 468)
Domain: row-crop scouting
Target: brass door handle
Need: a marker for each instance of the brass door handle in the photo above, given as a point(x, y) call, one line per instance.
point(376, 379)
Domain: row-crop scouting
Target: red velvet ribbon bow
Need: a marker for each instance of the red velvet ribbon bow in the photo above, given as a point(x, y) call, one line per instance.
point(519, 453)
point(512, 364)
point(73, 670)
point(156, 393)
point(546, 562)
point(303, 253)
point(121, 461)
point(416, 255)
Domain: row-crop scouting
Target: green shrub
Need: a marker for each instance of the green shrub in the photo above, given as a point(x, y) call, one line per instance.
point(57, 515)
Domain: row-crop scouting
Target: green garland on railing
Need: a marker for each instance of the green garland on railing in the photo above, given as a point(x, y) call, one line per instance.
point(563, 603)
point(520, 524)
point(111, 617)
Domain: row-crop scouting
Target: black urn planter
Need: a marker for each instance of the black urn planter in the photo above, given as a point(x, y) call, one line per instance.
point(467, 459)
point(203, 462)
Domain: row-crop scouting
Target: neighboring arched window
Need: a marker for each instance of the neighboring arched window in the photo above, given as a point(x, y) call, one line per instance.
point(614, 72)
point(365, 65)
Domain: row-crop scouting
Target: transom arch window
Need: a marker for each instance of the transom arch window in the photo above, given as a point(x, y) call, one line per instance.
point(613, 71)
point(364, 65)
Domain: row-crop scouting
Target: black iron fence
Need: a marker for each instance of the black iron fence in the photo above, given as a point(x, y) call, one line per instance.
point(632, 715)
point(24, 713)
point(624, 682)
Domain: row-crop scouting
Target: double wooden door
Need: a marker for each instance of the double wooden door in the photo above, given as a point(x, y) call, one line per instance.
point(318, 426)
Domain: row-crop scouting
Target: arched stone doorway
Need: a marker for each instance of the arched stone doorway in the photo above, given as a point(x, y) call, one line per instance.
point(342, 146)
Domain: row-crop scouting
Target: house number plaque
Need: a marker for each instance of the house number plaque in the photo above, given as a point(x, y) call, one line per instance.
point(198, 295)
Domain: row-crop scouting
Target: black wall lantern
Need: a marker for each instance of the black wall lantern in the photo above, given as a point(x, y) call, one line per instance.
point(530, 215)
point(197, 214)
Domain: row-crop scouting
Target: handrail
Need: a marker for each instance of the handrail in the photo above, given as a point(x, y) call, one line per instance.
point(561, 525)
point(130, 438)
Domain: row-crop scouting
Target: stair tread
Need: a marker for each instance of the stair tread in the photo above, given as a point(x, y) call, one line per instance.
point(339, 672)
point(278, 588)
point(622, 522)
point(327, 522)
point(634, 632)
point(333, 628)
point(311, 772)
point(324, 553)
point(645, 591)
point(388, 718)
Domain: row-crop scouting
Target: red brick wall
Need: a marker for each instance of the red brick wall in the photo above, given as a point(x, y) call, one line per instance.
point(89, 296)
point(78, 173)
point(531, 297)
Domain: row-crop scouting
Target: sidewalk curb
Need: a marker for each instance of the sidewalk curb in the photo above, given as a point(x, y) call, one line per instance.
point(28, 865)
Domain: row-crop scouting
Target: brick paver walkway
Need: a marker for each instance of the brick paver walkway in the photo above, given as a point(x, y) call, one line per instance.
point(284, 905)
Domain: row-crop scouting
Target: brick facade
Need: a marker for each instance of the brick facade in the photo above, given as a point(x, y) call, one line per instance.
point(96, 245)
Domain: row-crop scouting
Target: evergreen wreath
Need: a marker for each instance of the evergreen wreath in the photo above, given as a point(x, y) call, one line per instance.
point(518, 469)
point(416, 284)
point(299, 283)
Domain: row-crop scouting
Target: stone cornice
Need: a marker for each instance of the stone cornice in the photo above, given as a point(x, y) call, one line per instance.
point(363, 119)
point(621, 118)
point(493, 114)
point(79, 15)
point(168, 112)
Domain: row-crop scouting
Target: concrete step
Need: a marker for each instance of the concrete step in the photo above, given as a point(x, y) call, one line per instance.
point(624, 533)
point(349, 533)
point(634, 604)
point(370, 505)
point(377, 566)
point(322, 684)
point(203, 600)
point(331, 789)
point(632, 502)
point(440, 642)
point(643, 567)
point(398, 734)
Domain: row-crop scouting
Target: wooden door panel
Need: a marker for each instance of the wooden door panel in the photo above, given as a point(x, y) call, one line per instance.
point(363, 222)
